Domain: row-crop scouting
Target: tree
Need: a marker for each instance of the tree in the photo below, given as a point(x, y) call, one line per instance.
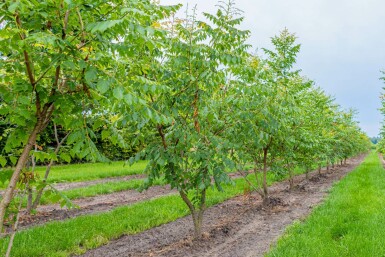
point(268, 105)
point(66, 61)
point(191, 150)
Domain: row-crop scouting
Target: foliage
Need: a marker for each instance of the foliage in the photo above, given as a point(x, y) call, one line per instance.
point(74, 63)
point(192, 149)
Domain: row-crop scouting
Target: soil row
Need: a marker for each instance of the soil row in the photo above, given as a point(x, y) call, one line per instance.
point(241, 226)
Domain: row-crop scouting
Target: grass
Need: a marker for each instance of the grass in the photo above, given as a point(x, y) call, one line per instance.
point(75, 236)
point(82, 172)
point(349, 223)
point(101, 189)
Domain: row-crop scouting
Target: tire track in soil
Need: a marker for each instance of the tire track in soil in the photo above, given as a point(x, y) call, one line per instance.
point(241, 226)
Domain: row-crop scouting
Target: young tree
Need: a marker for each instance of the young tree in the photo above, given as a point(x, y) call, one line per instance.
point(191, 150)
point(268, 105)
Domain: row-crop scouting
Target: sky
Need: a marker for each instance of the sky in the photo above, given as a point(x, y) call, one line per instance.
point(342, 45)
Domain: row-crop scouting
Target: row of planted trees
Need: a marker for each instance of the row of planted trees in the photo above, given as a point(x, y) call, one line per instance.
point(381, 142)
point(188, 91)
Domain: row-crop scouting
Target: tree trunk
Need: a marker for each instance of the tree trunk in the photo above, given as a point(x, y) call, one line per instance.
point(29, 188)
point(328, 167)
point(8, 194)
point(47, 170)
point(319, 169)
point(345, 161)
point(341, 162)
point(15, 228)
point(197, 220)
point(291, 179)
point(40, 192)
point(196, 213)
point(265, 189)
point(29, 199)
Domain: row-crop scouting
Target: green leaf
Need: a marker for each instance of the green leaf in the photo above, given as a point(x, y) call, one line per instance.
point(128, 99)
point(103, 25)
point(118, 93)
point(103, 86)
point(3, 161)
point(13, 6)
point(13, 160)
point(91, 75)
point(65, 157)
point(105, 134)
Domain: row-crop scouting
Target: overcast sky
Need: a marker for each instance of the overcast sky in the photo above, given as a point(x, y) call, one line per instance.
point(343, 45)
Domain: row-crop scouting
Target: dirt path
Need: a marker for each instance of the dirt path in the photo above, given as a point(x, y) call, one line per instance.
point(238, 227)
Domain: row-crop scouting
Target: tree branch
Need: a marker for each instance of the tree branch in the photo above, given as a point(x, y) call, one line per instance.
point(27, 59)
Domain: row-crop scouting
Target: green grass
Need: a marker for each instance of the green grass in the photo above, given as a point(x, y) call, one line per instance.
point(350, 222)
point(101, 189)
point(82, 172)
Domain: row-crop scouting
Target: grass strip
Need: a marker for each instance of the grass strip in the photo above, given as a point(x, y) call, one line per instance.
point(349, 223)
point(102, 189)
point(82, 172)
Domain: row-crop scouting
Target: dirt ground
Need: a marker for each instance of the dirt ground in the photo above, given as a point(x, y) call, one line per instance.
point(241, 226)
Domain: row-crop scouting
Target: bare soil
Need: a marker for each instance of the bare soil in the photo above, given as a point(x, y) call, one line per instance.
point(242, 226)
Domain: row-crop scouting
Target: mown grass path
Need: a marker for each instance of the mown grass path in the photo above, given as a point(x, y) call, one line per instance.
point(350, 222)
point(81, 172)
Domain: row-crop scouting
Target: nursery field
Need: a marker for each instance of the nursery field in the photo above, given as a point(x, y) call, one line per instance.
point(129, 130)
